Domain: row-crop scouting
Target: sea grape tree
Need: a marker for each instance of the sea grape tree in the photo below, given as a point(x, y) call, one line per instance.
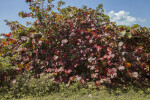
point(76, 44)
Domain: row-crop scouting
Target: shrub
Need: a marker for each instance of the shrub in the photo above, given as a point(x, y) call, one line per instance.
point(78, 44)
point(26, 85)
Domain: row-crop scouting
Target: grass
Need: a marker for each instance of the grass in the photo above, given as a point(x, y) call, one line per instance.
point(94, 95)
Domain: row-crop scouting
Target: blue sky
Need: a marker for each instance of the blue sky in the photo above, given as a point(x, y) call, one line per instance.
point(124, 12)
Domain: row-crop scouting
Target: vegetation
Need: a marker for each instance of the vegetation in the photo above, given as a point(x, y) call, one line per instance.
point(71, 50)
point(26, 88)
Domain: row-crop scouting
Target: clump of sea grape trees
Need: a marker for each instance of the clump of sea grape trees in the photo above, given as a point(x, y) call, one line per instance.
point(75, 44)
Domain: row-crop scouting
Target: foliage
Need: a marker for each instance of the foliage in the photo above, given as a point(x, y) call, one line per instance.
point(7, 70)
point(83, 93)
point(78, 44)
point(26, 85)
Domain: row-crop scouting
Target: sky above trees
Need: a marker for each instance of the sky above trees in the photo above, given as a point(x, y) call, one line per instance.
point(123, 12)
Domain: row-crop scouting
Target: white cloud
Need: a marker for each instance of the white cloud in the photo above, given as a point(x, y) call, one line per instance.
point(123, 18)
point(141, 20)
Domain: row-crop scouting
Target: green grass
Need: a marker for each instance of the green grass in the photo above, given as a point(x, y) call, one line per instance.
point(94, 95)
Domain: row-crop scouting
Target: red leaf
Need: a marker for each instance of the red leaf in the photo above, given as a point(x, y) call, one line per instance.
point(47, 41)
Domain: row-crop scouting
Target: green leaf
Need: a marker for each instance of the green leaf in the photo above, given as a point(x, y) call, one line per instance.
point(32, 8)
point(123, 33)
point(100, 6)
point(49, 1)
point(5, 64)
point(20, 13)
point(28, 1)
point(135, 26)
point(128, 35)
point(52, 13)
